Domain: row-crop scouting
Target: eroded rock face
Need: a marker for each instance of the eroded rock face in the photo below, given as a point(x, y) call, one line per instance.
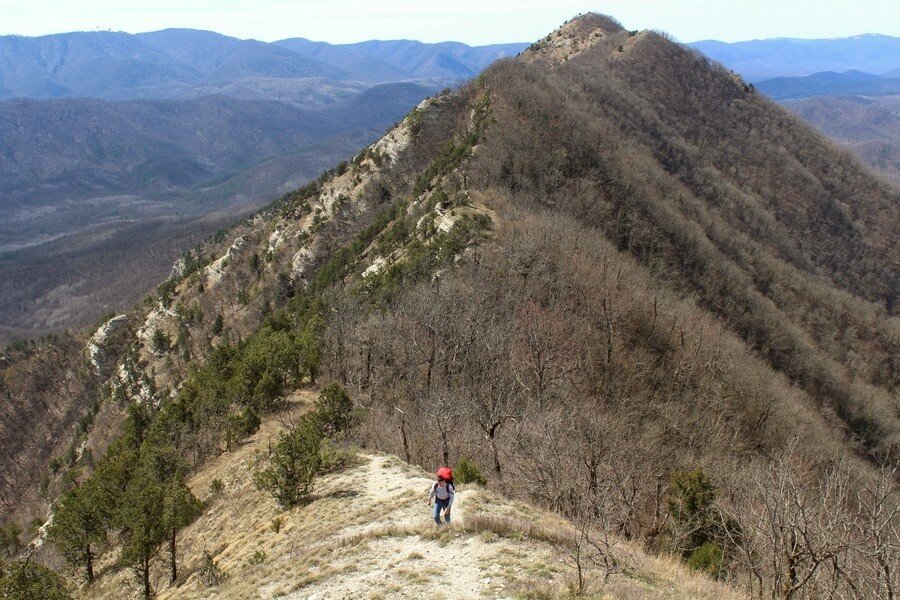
point(214, 271)
point(276, 239)
point(99, 346)
point(286, 244)
point(376, 267)
point(178, 269)
point(160, 318)
point(301, 262)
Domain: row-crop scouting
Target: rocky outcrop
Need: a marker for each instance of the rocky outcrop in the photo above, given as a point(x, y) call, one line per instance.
point(572, 38)
point(100, 347)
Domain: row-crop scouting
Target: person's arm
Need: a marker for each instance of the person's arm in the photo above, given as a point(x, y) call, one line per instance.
point(431, 495)
point(452, 489)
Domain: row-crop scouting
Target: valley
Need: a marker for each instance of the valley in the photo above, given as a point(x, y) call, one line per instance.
point(100, 195)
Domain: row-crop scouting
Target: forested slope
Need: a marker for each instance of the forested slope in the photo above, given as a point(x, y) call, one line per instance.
point(607, 265)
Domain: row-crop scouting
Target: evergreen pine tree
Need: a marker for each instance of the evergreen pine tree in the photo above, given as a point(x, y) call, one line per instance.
point(79, 525)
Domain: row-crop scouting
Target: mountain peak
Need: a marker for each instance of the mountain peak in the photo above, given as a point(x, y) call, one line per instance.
point(573, 37)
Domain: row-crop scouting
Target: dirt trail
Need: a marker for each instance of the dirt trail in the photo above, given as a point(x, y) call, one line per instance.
point(368, 533)
point(400, 553)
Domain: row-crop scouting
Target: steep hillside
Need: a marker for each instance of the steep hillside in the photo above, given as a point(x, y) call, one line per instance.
point(869, 126)
point(608, 269)
point(213, 275)
point(760, 215)
point(367, 533)
point(45, 392)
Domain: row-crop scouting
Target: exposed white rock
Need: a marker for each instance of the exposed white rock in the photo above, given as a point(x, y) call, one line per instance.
point(98, 345)
point(79, 452)
point(276, 239)
point(301, 262)
point(216, 269)
point(397, 139)
point(156, 319)
point(178, 269)
point(377, 265)
point(239, 244)
point(445, 221)
point(38, 541)
point(133, 387)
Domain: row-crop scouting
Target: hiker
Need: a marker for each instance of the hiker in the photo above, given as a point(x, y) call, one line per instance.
point(442, 493)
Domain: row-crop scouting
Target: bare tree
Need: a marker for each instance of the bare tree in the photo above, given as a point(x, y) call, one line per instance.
point(879, 503)
point(590, 544)
point(443, 408)
point(797, 528)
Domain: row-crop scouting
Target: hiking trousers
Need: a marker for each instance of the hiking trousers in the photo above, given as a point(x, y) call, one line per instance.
point(440, 505)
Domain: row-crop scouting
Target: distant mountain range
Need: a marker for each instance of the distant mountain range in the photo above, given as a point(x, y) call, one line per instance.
point(386, 60)
point(179, 63)
point(70, 147)
point(117, 144)
point(119, 151)
point(829, 82)
point(757, 60)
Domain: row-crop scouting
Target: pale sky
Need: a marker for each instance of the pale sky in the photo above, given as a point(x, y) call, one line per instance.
point(470, 21)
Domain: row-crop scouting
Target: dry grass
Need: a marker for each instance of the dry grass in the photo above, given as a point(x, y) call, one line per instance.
point(377, 542)
point(517, 529)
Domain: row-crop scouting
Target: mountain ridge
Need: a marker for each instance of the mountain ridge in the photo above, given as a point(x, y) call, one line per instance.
point(165, 63)
point(790, 57)
point(830, 83)
point(620, 270)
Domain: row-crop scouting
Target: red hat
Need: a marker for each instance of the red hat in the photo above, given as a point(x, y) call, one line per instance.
point(445, 473)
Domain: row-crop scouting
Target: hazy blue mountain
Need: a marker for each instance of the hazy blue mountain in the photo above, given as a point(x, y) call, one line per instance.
point(418, 58)
point(361, 67)
point(829, 82)
point(101, 64)
point(185, 63)
point(452, 60)
point(121, 66)
point(414, 59)
point(757, 60)
point(220, 57)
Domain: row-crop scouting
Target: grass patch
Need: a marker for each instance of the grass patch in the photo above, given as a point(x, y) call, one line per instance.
point(508, 527)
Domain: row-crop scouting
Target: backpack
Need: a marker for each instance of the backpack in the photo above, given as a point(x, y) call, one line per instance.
point(450, 487)
point(446, 473)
